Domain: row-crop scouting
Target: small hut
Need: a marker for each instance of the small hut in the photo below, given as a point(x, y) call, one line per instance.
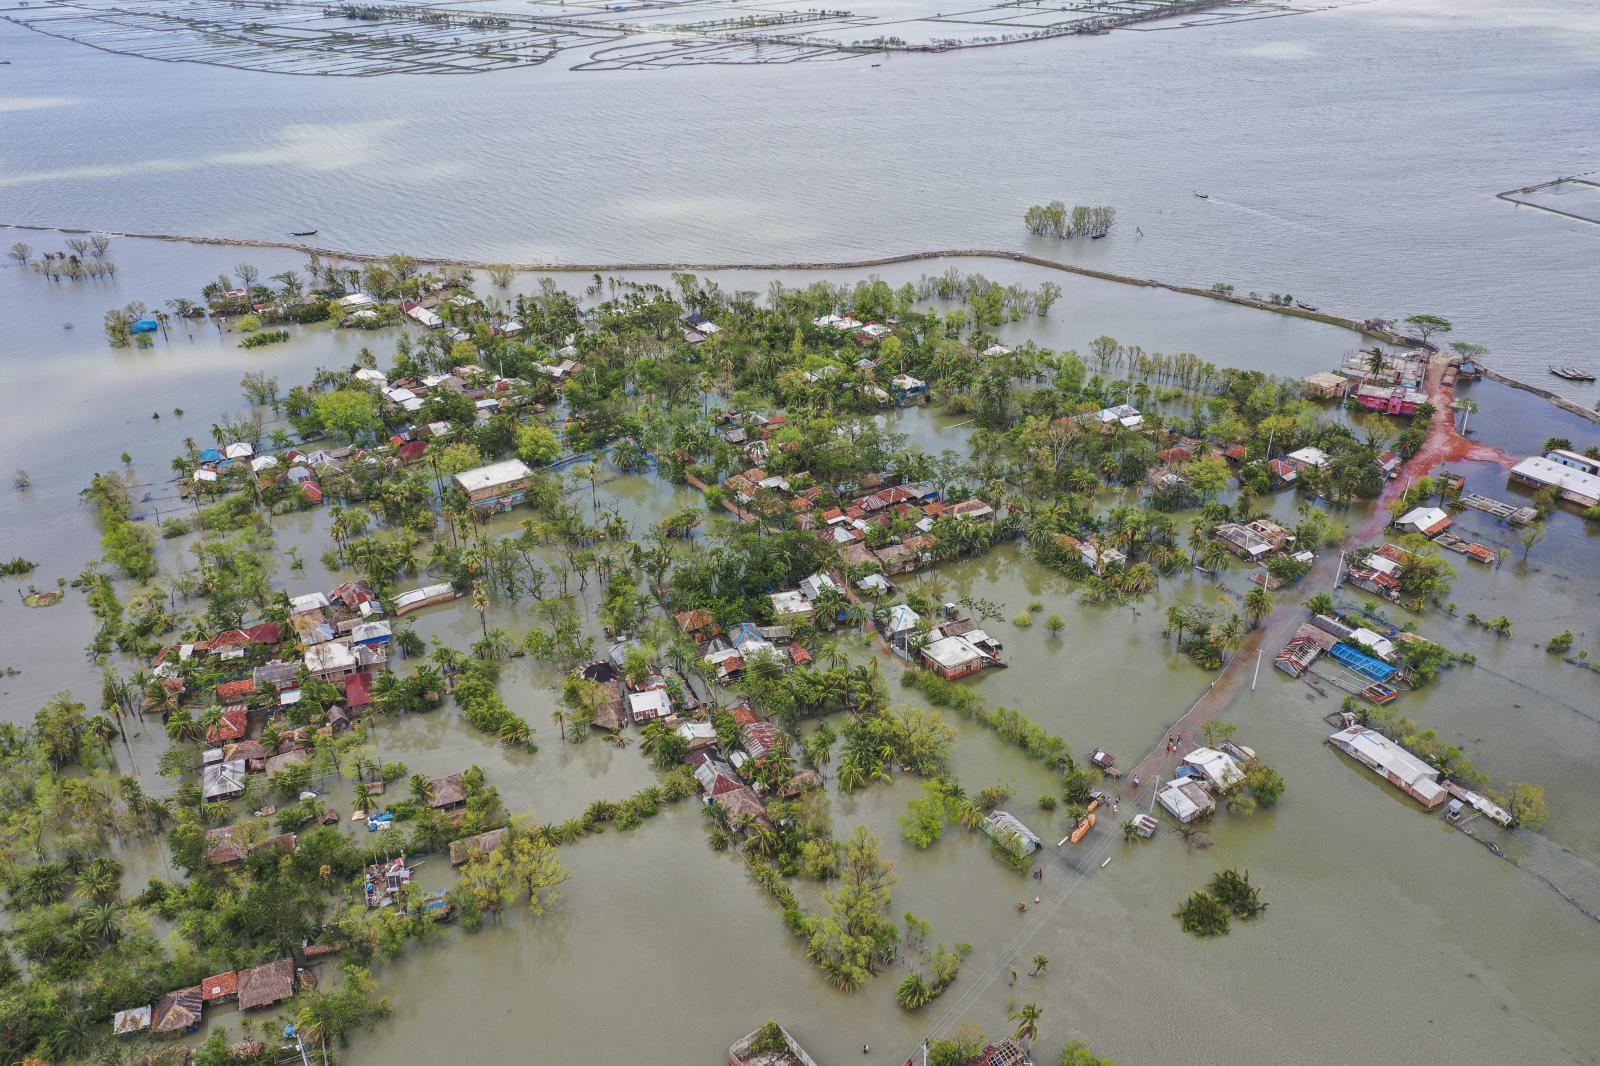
point(132, 1020)
point(447, 792)
point(468, 848)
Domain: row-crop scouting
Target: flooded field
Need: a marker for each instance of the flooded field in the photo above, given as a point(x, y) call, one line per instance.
point(1390, 936)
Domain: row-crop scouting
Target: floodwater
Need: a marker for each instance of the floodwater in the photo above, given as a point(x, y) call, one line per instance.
point(1351, 155)
point(1390, 937)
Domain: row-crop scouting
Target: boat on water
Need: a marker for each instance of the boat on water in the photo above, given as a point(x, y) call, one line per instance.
point(1571, 373)
point(1203, 195)
point(303, 233)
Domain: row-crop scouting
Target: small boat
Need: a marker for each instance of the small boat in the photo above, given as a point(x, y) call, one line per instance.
point(1202, 196)
point(303, 233)
point(1096, 236)
point(1305, 306)
point(1571, 373)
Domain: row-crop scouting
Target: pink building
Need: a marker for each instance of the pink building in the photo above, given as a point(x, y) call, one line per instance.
point(1390, 399)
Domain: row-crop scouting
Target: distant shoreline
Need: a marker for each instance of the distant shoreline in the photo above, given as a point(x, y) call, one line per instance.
point(1353, 325)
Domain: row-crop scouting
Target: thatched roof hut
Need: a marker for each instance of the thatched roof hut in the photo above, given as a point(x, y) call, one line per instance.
point(262, 986)
point(469, 848)
point(447, 791)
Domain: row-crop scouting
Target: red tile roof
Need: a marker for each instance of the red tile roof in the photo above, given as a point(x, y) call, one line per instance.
point(222, 986)
point(265, 633)
point(743, 715)
point(232, 690)
point(233, 725)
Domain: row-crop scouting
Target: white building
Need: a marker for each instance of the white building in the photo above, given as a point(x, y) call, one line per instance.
point(1125, 415)
point(789, 604)
point(1573, 484)
point(1308, 457)
point(1393, 763)
point(1428, 521)
point(651, 703)
point(1186, 799)
point(1220, 770)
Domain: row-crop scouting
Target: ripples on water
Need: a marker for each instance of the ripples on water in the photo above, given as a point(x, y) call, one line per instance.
point(1351, 156)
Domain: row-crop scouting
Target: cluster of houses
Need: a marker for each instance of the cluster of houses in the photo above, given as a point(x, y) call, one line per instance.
point(1381, 571)
point(181, 1010)
point(302, 468)
point(1203, 775)
point(489, 393)
point(1257, 541)
point(1389, 384)
point(952, 649)
point(340, 637)
point(880, 501)
point(635, 701)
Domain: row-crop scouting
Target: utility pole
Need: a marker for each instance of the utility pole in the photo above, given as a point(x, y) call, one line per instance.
point(1257, 674)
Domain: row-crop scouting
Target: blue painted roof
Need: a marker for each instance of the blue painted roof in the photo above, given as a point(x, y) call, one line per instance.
point(1362, 663)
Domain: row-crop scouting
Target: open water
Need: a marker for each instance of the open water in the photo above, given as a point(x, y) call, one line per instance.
point(1351, 154)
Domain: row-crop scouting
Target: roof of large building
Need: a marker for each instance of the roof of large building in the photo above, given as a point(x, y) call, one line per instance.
point(1379, 752)
point(1549, 472)
point(487, 477)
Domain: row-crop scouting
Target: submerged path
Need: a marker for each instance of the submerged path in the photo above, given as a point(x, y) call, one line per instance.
point(1070, 867)
point(1442, 445)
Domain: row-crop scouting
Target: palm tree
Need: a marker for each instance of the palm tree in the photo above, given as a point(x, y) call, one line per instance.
point(103, 921)
point(1027, 1020)
point(100, 880)
point(421, 789)
point(1175, 620)
point(1257, 605)
point(1041, 963)
point(1214, 558)
point(480, 603)
point(1230, 635)
point(913, 991)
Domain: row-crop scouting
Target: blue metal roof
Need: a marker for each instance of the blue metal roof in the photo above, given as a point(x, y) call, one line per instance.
point(1362, 663)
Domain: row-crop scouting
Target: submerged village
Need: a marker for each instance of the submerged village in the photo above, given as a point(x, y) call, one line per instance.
point(770, 634)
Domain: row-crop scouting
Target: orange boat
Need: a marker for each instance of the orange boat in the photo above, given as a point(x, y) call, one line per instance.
point(1081, 830)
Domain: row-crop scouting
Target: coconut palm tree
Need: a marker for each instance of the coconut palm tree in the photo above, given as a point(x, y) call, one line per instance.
point(1257, 605)
point(1027, 1020)
point(1041, 963)
point(1214, 557)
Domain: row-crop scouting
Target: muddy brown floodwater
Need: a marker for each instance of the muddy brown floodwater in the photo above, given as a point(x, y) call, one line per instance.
point(1390, 937)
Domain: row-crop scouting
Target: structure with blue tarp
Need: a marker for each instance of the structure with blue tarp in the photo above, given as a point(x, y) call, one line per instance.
point(1360, 662)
